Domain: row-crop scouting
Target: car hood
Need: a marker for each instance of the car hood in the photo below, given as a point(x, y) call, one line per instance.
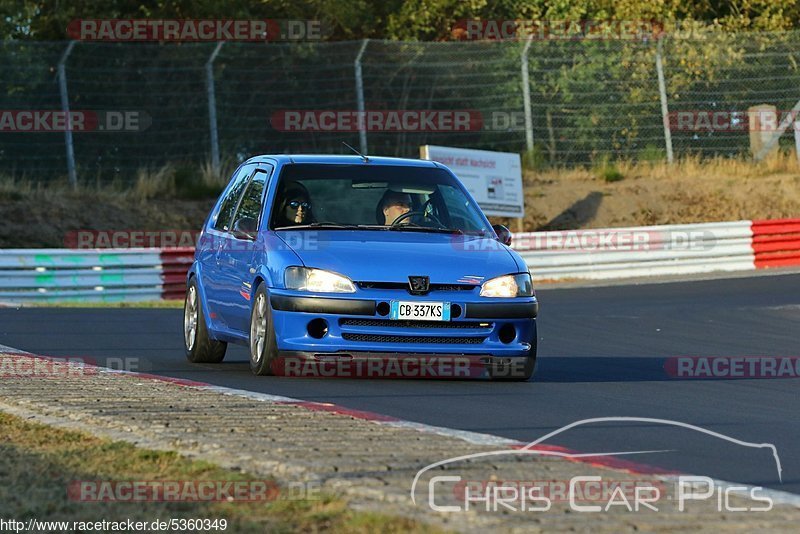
point(393, 256)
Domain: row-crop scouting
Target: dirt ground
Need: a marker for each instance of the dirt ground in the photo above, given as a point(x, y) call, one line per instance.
point(660, 195)
point(45, 221)
point(687, 192)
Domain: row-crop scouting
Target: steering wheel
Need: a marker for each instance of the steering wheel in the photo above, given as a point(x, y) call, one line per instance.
point(413, 213)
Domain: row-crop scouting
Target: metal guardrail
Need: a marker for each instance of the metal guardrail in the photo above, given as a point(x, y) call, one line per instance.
point(151, 274)
point(660, 250)
point(96, 275)
point(638, 251)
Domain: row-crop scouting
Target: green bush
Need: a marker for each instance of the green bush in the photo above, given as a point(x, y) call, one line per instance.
point(652, 154)
point(608, 171)
point(611, 174)
point(534, 160)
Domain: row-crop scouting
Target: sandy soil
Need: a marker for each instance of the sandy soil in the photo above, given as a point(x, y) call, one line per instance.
point(561, 201)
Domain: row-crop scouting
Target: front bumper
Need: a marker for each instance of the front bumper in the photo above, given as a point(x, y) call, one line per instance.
point(528, 309)
point(360, 326)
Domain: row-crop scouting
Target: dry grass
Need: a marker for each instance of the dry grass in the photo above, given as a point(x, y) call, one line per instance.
point(622, 193)
point(181, 181)
point(694, 166)
point(37, 464)
point(689, 166)
point(154, 183)
point(168, 181)
point(689, 191)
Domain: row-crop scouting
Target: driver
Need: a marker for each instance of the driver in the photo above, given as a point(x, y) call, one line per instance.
point(393, 205)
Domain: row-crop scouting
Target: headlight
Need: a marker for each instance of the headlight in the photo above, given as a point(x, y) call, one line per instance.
point(511, 285)
point(305, 279)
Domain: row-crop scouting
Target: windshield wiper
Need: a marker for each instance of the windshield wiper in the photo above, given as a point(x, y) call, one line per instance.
point(331, 226)
point(419, 228)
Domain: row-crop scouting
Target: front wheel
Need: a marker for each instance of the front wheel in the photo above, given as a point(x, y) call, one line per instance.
point(263, 344)
point(199, 347)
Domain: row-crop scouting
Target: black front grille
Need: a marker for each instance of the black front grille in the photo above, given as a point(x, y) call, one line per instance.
point(404, 286)
point(379, 323)
point(378, 338)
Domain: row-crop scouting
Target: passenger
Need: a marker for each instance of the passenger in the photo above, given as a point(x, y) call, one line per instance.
point(392, 206)
point(295, 206)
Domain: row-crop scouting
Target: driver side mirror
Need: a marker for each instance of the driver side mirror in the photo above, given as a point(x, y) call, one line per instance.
point(245, 228)
point(503, 234)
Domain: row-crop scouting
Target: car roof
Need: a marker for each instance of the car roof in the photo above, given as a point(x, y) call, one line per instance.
point(327, 159)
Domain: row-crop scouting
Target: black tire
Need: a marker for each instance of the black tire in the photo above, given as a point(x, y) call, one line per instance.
point(198, 346)
point(262, 341)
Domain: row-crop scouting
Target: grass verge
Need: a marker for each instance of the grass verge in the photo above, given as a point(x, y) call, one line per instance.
point(38, 463)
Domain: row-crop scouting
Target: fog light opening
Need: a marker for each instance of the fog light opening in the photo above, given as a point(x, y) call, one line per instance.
point(383, 308)
point(455, 311)
point(507, 333)
point(318, 328)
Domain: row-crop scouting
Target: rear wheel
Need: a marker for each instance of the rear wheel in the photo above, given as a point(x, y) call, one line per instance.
point(263, 344)
point(199, 347)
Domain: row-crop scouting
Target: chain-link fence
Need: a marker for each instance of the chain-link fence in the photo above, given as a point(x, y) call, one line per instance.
point(150, 104)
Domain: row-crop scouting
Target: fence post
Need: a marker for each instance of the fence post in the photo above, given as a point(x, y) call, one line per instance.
point(212, 108)
point(362, 131)
point(62, 89)
point(662, 90)
point(526, 95)
point(797, 139)
point(787, 121)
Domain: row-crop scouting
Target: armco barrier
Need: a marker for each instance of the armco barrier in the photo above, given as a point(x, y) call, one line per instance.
point(152, 274)
point(660, 250)
point(95, 275)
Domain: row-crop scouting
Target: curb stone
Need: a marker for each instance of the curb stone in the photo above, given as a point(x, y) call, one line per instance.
point(370, 463)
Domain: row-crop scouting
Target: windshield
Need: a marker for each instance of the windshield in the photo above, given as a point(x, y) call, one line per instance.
point(373, 198)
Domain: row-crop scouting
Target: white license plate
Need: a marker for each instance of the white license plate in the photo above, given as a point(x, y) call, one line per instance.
point(420, 311)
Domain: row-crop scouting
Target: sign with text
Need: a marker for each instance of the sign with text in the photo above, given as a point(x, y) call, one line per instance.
point(494, 179)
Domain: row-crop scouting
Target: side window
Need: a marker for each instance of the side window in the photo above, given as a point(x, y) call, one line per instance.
point(225, 215)
point(250, 206)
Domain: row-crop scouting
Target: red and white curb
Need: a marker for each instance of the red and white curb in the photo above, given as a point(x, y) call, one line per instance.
point(475, 438)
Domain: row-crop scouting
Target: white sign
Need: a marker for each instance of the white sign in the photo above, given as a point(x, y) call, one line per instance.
point(494, 179)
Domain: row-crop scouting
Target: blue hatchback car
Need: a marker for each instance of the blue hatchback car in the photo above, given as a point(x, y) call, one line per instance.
point(319, 259)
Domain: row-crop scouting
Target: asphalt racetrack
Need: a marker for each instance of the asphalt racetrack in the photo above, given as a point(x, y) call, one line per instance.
point(604, 352)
